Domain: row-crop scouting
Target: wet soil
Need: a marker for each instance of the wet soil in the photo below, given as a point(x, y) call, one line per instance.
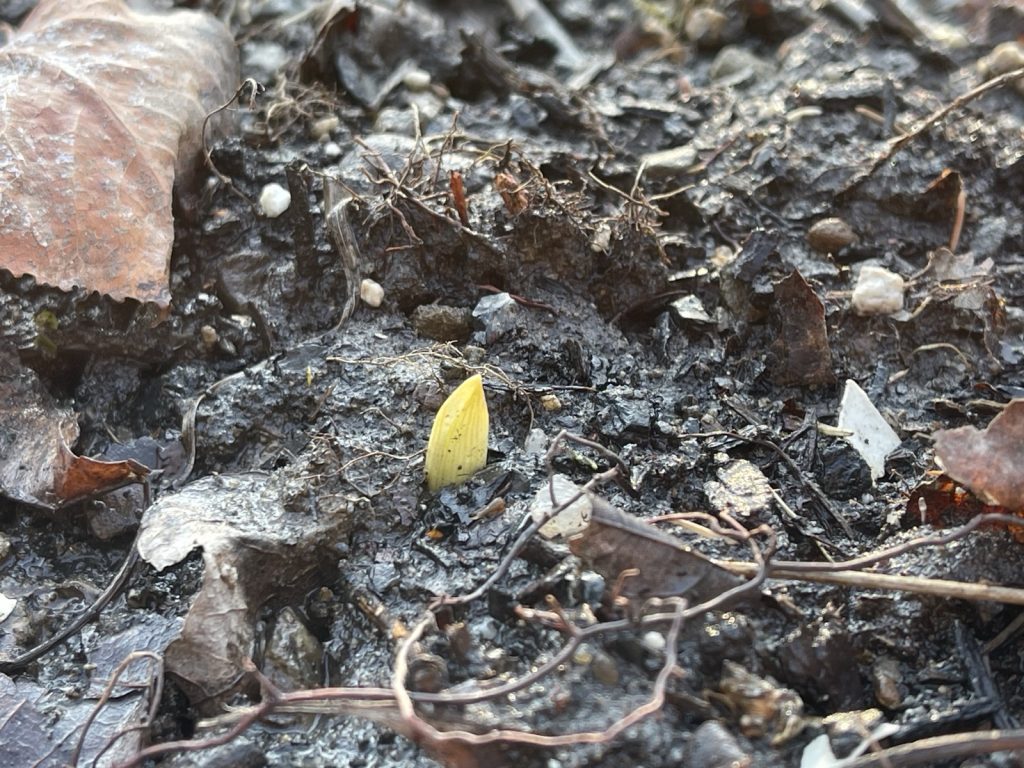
point(643, 300)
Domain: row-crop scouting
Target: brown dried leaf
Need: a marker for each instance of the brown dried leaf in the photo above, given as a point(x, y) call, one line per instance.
point(100, 107)
point(36, 463)
point(614, 542)
point(802, 351)
point(991, 461)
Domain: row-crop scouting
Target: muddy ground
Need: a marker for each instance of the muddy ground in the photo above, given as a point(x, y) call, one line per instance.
point(631, 261)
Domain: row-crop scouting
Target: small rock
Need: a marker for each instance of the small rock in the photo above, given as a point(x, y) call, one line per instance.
point(734, 65)
point(371, 292)
point(550, 403)
point(321, 129)
point(713, 746)
point(442, 323)
point(877, 292)
point(887, 680)
point(654, 641)
point(416, 80)
point(209, 335)
point(5, 547)
point(689, 308)
point(846, 729)
point(274, 200)
point(1004, 58)
point(830, 235)
point(497, 314)
point(294, 657)
point(704, 27)
point(332, 150)
point(604, 668)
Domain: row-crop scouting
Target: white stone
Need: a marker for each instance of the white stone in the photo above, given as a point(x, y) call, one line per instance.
point(877, 292)
point(654, 641)
point(332, 149)
point(7, 606)
point(416, 80)
point(870, 434)
point(274, 200)
point(371, 292)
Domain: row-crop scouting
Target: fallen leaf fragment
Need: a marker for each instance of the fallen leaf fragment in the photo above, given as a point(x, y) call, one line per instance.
point(263, 538)
point(614, 542)
point(37, 465)
point(802, 352)
point(569, 521)
point(870, 434)
point(100, 108)
point(991, 461)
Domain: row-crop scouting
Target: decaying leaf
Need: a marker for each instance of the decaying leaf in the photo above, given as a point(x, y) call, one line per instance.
point(37, 465)
point(614, 542)
point(100, 107)
point(31, 735)
point(991, 461)
point(263, 539)
point(802, 352)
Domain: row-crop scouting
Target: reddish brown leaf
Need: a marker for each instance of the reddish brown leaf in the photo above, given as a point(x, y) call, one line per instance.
point(99, 108)
point(36, 463)
point(991, 461)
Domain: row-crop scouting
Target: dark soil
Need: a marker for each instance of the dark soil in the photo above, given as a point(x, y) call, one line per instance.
point(606, 266)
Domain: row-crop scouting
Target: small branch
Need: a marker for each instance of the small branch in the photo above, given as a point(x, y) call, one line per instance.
point(902, 141)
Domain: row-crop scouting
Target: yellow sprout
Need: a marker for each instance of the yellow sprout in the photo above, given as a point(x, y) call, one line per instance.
point(458, 440)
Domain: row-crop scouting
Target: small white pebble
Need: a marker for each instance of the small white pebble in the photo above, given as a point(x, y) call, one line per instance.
point(321, 129)
point(550, 402)
point(274, 200)
point(877, 292)
point(654, 641)
point(416, 80)
point(209, 335)
point(371, 292)
point(332, 149)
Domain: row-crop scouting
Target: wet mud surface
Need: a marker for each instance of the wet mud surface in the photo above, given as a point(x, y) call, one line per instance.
point(625, 247)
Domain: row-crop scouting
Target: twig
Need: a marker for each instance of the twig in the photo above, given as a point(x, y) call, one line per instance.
point(807, 482)
point(939, 749)
point(116, 585)
point(156, 688)
point(918, 585)
point(255, 89)
point(902, 141)
point(845, 573)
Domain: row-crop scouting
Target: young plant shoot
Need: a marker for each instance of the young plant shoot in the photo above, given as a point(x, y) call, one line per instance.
point(458, 439)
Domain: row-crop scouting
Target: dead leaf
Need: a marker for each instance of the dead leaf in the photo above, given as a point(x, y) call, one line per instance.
point(100, 107)
point(802, 351)
point(615, 541)
point(991, 461)
point(37, 465)
point(263, 539)
point(30, 734)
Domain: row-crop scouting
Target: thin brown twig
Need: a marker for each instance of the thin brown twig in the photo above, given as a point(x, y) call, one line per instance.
point(255, 89)
point(902, 141)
